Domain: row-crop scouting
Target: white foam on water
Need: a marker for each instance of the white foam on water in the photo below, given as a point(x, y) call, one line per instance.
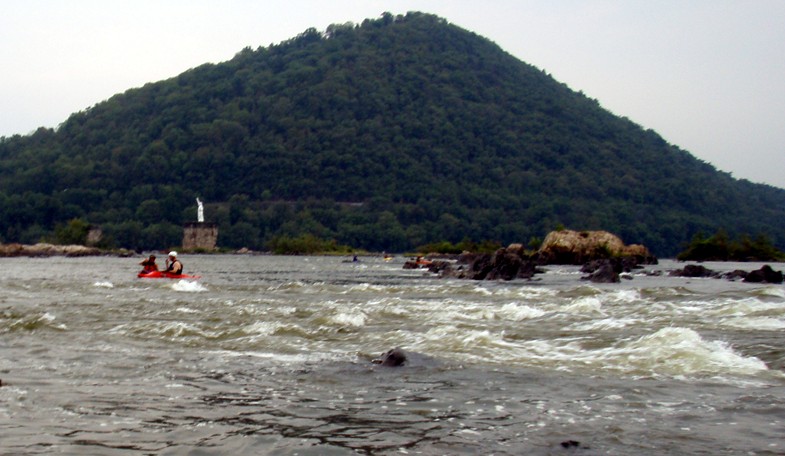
point(676, 352)
point(366, 287)
point(683, 351)
point(288, 358)
point(736, 307)
point(564, 270)
point(187, 310)
point(755, 323)
point(535, 293)
point(625, 296)
point(483, 291)
point(353, 318)
point(518, 312)
point(588, 304)
point(750, 306)
point(453, 339)
point(778, 292)
point(605, 324)
point(105, 284)
point(285, 310)
point(179, 329)
point(188, 286)
point(261, 328)
point(48, 319)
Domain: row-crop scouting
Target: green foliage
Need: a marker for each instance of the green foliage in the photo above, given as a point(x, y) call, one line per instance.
point(720, 247)
point(73, 233)
point(397, 132)
point(305, 245)
point(535, 243)
point(465, 245)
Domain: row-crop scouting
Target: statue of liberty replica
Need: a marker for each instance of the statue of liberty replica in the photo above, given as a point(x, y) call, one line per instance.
point(199, 236)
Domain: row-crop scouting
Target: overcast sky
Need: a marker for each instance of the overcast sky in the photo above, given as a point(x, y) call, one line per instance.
point(707, 75)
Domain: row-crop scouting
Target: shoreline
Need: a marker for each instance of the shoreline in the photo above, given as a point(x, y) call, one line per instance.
point(43, 249)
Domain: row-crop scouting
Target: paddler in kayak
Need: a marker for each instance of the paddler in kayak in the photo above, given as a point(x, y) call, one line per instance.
point(149, 265)
point(173, 265)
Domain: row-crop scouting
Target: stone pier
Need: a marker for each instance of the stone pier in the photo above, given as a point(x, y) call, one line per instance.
point(200, 236)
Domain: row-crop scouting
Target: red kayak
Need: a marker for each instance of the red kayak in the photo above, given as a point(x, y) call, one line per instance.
point(165, 275)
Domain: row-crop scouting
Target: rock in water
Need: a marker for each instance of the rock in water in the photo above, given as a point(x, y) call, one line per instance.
point(579, 247)
point(392, 358)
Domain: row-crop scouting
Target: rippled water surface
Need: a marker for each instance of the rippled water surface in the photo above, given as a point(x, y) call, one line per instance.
point(271, 355)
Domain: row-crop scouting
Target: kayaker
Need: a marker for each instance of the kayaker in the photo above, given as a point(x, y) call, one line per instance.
point(173, 265)
point(149, 265)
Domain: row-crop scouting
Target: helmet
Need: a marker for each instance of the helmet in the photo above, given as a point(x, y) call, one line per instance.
point(173, 253)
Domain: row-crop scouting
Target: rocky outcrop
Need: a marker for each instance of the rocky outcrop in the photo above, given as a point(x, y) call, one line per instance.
point(764, 275)
point(694, 271)
point(580, 247)
point(607, 270)
point(604, 273)
point(504, 264)
point(46, 250)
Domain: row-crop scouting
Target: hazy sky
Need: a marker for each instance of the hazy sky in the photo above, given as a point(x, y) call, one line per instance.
point(707, 75)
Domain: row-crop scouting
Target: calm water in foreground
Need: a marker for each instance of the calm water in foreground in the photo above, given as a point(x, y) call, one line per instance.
point(271, 355)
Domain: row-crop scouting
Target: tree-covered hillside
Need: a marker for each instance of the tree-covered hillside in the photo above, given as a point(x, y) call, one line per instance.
point(385, 135)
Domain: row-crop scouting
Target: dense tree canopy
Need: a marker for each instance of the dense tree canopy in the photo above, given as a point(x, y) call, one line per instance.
point(394, 133)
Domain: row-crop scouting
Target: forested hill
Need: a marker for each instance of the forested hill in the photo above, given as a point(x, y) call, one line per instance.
point(386, 135)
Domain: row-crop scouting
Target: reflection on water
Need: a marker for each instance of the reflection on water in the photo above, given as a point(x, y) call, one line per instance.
point(271, 355)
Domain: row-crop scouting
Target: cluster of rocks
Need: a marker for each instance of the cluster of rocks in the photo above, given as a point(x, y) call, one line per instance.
point(504, 264)
point(47, 250)
point(603, 258)
point(604, 255)
point(763, 275)
point(609, 270)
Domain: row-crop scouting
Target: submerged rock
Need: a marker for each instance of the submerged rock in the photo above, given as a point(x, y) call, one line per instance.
point(392, 358)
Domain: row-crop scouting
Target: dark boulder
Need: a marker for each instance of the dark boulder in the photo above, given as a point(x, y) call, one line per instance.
point(764, 275)
point(603, 271)
point(441, 267)
point(392, 358)
point(411, 264)
point(504, 264)
point(619, 264)
point(693, 270)
point(736, 274)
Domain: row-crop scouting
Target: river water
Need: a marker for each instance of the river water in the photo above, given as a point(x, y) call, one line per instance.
point(272, 355)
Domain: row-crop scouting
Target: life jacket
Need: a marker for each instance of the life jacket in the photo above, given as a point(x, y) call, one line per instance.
point(172, 267)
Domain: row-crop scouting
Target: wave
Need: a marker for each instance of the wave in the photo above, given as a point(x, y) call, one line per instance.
point(682, 351)
point(669, 351)
point(584, 305)
point(13, 322)
point(754, 323)
point(354, 318)
point(188, 286)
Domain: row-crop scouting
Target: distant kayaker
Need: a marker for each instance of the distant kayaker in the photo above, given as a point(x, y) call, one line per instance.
point(149, 265)
point(173, 265)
